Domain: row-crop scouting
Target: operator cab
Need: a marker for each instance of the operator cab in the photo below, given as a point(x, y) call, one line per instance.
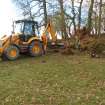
point(26, 29)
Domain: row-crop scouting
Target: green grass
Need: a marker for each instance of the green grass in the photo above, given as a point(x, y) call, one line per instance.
point(53, 80)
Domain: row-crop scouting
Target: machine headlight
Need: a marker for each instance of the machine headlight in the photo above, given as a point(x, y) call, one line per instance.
point(1, 43)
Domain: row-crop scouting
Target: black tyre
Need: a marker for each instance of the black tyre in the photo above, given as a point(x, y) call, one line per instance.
point(11, 52)
point(35, 48)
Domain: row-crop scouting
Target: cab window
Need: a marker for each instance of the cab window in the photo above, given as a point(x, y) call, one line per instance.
point(28, 29)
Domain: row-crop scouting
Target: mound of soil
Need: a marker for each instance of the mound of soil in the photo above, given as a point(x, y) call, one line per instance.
point(67, 51)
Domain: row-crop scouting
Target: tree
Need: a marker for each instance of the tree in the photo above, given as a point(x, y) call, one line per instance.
point(79, 15)
point(33, 8)
point(74, 15)
point(63, 24)
point(45, 11)
point(90, 16)
point(25, 6)
point(100, 13)
point(95, 19)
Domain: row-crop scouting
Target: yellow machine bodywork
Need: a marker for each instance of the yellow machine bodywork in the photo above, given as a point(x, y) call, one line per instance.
point(14, 40)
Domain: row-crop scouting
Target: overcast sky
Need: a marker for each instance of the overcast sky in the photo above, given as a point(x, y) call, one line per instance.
point(7, 15)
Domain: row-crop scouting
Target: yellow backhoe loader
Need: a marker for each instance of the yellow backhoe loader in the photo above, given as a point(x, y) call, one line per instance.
point(24, 39)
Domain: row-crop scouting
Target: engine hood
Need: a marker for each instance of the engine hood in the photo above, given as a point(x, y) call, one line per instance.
point(4, 37)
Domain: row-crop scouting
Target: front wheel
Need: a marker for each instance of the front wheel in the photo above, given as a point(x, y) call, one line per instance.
point(11, 52)
point(35, 48)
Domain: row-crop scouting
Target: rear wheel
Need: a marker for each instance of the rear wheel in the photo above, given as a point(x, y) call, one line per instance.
point(11, 52)
point(35, 48)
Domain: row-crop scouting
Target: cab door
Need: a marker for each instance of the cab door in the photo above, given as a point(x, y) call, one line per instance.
point(29, 31)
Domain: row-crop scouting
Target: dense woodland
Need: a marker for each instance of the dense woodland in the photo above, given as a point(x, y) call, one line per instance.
point(67, 15)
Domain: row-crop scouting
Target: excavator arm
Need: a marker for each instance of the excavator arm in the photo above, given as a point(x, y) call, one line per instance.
point(54, 44)
point(50, 29)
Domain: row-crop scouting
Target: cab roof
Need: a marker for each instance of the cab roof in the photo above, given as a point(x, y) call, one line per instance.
point(26, 21)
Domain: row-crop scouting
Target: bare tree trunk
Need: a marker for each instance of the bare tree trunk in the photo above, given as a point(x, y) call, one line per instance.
point(104, 17)
point(96, 18)
point(95, 23)
point(99, 22)
point(45, 12)
point(79, 16)
point(63, 27)
point(73, 19)
point(90, 16)
point(70, 29)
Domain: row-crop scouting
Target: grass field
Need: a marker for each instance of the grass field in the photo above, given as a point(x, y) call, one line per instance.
point(53, 80)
